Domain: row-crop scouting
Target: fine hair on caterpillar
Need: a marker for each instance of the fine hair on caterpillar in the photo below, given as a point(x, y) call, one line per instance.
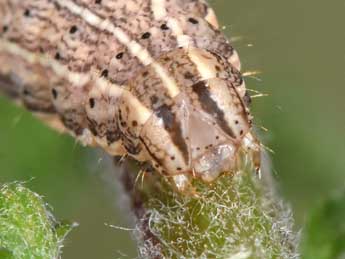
point(163, 86)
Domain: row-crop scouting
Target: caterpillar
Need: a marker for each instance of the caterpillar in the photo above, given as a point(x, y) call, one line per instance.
point(154, 79)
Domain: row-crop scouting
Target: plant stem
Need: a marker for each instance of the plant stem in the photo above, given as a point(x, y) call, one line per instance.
point(236, 217)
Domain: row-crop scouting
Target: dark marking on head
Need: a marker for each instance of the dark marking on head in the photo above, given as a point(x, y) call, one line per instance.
point(98, 1)
point(134, 123)
point(211, 107)
point(173, 126)
point(4, 28)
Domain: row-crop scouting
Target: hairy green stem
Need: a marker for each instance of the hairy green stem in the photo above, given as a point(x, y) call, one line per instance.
point(27, 227)
point(236, 217)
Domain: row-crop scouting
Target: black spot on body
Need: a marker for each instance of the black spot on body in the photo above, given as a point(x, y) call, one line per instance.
point(164, 27)
point(193, 20)
point(26, 91)
point(98, 1)
point(146, 35)
point(92, 102)
point(27, 12)
point(120, 55)
point(4, 28)
point(73, 29)
point(112, 136)
point(154, 99)
point(188, 75)
point(57, 56)
point(104, 73)
point(54, 93)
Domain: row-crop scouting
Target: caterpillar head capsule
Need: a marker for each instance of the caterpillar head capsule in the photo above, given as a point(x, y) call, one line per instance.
point(199, 135)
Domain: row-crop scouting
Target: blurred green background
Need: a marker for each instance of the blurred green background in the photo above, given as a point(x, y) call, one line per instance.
point(298, 46)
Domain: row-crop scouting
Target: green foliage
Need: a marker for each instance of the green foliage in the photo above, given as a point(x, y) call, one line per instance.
point(5, 254)
point(27, 228)
point(324, 233)
point(235, 217)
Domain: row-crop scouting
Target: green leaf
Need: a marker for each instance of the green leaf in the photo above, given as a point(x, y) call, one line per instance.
point(324, 234)
point(27, 227)
point(5, 254)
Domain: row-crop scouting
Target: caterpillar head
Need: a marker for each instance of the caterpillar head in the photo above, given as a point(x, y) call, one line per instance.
point(200, 133)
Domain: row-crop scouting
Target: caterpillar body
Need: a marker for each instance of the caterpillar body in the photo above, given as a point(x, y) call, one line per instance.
point(154, 79)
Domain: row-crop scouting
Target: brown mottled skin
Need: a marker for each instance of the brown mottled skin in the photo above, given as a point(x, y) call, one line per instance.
point(68, 65)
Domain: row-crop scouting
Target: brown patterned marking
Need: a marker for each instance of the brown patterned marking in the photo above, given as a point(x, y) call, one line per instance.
point(211, 107)
point(173, 126)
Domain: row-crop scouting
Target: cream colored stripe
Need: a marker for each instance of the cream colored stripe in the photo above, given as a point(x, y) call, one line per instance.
point(79, 79)
point(76, 79)
point(183, 40)
point(158, 9)
point(134, 47)
point(205, 68)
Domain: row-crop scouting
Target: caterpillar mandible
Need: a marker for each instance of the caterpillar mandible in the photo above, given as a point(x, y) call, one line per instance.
point(154, 79)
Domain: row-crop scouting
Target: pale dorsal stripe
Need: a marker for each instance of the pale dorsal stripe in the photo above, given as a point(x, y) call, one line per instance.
point(134, 47)
point(76, 79)
point(183, 40)
point(158, 9)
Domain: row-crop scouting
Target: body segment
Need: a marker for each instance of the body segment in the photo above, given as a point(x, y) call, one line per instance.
point(154, 79)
